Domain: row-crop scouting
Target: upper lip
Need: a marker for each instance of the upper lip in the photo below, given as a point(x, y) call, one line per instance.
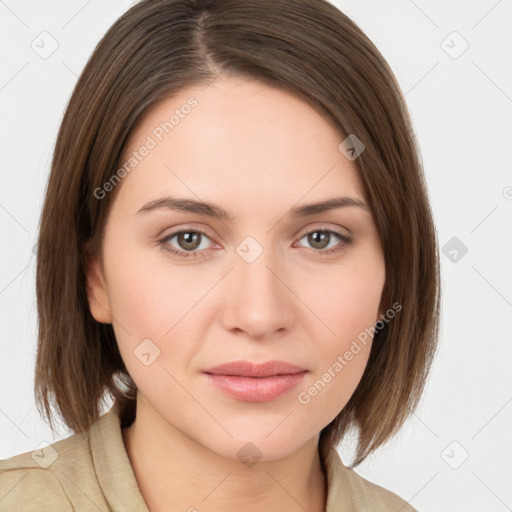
point(248, 369)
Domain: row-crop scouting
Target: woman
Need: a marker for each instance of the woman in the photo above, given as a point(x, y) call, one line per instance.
point(236, 245)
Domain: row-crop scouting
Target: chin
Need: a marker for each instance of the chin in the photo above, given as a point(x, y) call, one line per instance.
point(257, 447)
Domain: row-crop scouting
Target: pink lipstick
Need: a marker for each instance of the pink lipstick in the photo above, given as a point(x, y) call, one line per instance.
point(251, 382)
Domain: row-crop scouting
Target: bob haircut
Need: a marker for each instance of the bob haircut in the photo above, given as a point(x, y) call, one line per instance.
point(307, 48)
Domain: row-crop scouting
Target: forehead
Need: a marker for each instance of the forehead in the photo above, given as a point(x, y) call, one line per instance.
point(239, 140)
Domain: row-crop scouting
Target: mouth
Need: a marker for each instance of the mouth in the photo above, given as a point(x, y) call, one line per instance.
point(248, 369)
point(250, 382)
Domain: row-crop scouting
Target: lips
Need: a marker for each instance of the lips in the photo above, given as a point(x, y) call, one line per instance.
point(248, 369)
point(253, 382)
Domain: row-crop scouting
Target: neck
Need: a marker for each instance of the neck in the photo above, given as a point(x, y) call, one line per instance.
point(175, 472)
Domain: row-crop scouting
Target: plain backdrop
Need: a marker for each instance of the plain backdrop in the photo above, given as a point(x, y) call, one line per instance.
point(453, 62)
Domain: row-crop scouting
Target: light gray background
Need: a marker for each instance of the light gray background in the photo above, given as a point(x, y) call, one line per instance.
point(461, 106)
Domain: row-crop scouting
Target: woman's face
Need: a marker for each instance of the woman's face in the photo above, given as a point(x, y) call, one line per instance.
point(252, 287)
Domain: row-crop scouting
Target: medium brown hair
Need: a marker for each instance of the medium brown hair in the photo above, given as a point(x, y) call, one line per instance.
point(305, 47)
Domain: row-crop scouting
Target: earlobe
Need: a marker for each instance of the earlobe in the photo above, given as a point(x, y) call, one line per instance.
point(97, 293)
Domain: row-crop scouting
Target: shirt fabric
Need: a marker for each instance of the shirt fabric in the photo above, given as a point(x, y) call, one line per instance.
point(91, 471)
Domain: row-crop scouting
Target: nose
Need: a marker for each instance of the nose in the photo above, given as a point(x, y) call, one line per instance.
point(258, 301)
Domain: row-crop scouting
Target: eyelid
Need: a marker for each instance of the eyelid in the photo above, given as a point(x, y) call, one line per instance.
point(187, 229)
point(325, 227)
point(346, 239)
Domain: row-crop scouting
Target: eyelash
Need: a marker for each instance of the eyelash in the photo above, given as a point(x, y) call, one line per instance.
point(345, 241)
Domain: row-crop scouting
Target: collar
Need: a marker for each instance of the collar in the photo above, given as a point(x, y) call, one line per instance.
point(119, 485)
point(112, 464)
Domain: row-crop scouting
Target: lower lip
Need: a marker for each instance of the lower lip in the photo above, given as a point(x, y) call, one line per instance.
point(256, 389)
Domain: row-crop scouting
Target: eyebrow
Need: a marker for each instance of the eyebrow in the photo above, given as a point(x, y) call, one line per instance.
point(215, 211)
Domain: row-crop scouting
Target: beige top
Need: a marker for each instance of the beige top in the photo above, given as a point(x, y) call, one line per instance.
point(91, 471)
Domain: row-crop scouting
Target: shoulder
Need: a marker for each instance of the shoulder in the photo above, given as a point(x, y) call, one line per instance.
point(350, 491)
point(45, 476)
point(370, 496)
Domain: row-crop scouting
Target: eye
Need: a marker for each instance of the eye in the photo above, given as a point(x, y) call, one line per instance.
point(190, 242)
point(188, 239)
point(321, 238)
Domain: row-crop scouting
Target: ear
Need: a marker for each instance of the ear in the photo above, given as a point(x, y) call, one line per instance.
point(97, 293)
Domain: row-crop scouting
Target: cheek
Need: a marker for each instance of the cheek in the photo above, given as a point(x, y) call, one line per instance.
point(347, 300)
point(154, 336)
point(349, 307)
point(149, 293)
point(149, 300)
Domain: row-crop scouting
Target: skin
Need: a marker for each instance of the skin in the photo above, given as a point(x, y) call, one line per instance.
point(257, 152)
